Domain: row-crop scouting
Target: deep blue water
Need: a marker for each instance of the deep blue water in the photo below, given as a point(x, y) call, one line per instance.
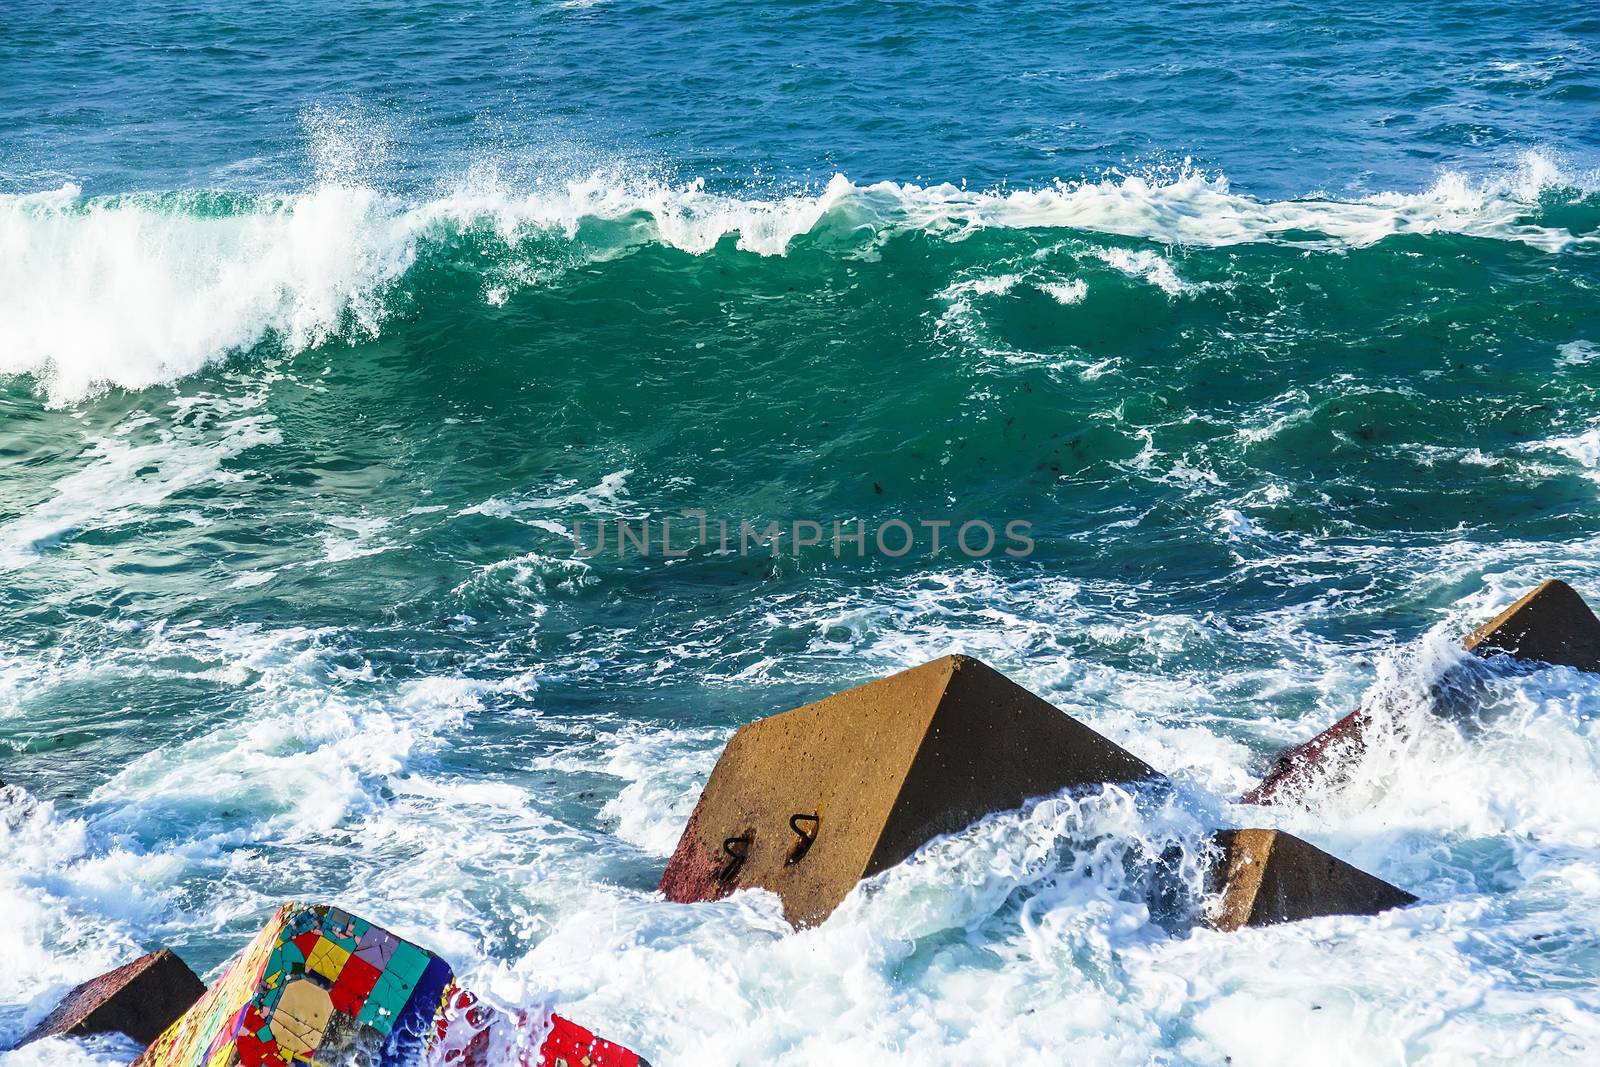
point(1287, 99)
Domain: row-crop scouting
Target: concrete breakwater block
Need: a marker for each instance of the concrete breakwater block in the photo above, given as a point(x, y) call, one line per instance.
point(1294, 767)
point(1268, 876)
point(319, 985)
point(809, 802)
point(139, 999)
point(1552, 625)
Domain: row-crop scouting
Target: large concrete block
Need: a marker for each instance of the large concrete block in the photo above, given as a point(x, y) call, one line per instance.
point(1552, 624)
point(809, 802)
point(1268, 876)
point(319, 985)
point(139, 999)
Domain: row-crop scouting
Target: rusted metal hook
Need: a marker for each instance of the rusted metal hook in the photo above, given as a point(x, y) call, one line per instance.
point(736, 849)
point(806, 838)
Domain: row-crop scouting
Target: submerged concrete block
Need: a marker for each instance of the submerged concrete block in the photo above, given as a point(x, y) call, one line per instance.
point(1295, 767)
point(1552, 625)
point(1268, 876)
point(319, 985)
point(809, 802)
point(139, 999)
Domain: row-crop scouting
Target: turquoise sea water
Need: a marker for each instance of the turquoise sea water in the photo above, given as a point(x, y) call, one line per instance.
point(1277, 324)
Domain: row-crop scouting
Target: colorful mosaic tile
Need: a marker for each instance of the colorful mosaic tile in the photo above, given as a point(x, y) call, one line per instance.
point(320, 986)
point(464, 1037)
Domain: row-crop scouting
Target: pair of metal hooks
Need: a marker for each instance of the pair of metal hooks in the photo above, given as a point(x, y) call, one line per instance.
point(737, 848)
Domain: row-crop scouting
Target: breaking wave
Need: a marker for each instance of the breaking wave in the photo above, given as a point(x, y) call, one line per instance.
point(136, 290)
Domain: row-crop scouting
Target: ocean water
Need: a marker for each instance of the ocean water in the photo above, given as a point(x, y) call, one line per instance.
point(1278, 323)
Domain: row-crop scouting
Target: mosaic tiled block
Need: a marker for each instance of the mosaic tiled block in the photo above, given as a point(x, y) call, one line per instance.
point(299, 993)
point(319, 986)
point(570, 1045)
point(465, 1036)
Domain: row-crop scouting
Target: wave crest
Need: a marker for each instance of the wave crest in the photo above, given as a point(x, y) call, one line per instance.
point(138, 290)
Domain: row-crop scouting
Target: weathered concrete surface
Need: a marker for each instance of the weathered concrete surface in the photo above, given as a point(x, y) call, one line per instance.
point(872, 774)
point(139, 999)
point(1268, 876)
point(1552, 625)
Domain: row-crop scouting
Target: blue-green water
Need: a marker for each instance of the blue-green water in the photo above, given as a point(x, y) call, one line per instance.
point(1277, 325)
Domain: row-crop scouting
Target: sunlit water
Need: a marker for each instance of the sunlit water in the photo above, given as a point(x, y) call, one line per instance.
point(1278, 324)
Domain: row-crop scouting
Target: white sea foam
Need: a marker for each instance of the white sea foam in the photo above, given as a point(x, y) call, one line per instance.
point(136, 290)
point(1066, 293)
point(1235, 525)
point(1030, 932)
point(100, 1050)
point(604, 496)
point(316, 752)
point(1148, 266)
point(1583, 447)
point(1577, 353)
point(128, 474)
point(352, 537)
point(68, 910)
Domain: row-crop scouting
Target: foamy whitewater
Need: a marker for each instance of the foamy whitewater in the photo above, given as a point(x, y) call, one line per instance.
point(1278, 325)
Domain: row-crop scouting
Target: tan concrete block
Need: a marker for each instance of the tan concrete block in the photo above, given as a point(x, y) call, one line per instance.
point(809, 802)
point(1552, 624)
point(1268, 876)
